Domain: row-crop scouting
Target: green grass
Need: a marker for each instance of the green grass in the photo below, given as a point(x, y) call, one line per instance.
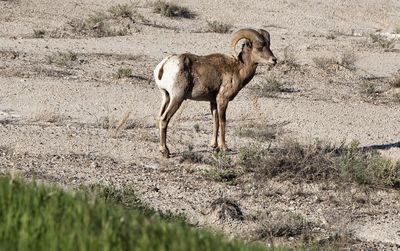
point(38, 217)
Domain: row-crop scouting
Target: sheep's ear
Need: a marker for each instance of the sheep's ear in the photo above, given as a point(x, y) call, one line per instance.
point(265, 34)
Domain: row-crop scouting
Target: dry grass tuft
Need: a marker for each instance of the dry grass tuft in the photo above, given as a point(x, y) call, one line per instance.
point(65, 59)
point(383, 42)
point(348, 59)
point(326, 63)
point(226, 176)
point(259, 132)
point(289, 59)
point(124, 72)
point(9, 54)
point(39, 33)
point(218, 27)
point(227, 209)
point(172, 10)
point(116, 126)
point(116, 21)
point(190, 156)
point(123, 11)
point(396, 97)
point(269, 87)
point(221, 160)
point(368, 88)
point(318, 161)
point(48, 117)
point(284, 224)
point(395, 82)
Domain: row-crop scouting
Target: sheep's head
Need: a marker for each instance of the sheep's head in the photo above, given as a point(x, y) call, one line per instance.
point(257, 45)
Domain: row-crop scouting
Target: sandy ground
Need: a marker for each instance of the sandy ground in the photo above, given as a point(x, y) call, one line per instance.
point(54, 116)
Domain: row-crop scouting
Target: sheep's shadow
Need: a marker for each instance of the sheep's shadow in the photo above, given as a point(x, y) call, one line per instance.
point(382, 146)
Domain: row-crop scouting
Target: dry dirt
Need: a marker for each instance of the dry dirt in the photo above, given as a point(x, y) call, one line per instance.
point(72, 121)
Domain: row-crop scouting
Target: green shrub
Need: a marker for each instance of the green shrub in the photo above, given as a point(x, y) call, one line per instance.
point(35, 217)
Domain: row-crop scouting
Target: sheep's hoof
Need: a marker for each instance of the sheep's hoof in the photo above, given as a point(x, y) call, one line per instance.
point(222, 149)
point(165, 153)
point(214, 146)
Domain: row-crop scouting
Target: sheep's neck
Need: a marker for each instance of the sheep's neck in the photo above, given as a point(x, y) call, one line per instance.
point(247, 71)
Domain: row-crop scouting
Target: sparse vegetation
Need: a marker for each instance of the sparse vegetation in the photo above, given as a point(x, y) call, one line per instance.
point(396, 97)
point(326, 63)
point(227, 176)
point(320, 161)
point(124, 72)
point(190, 156)
point(382, 41)
point(329, 64)
point(348, 59)
point(196, 127)
point(39, 33)
point(258, 132)
point(35, 217)
point(122, 10)
point(48, 117)
point(116, 126)
point(64, 59)
point(368, 88)
point(222, 160)
point(395, 81)
point(269, 86)
point(9, 54)
point(284, 224)
point(171, 10)
point(227, 209)
point(218, 27)
point(116, 21)
point(289, 59)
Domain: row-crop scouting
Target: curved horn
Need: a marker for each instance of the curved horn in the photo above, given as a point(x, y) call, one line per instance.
point(249, 34)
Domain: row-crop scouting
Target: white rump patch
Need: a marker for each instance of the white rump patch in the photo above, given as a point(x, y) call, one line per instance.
point(172, 65)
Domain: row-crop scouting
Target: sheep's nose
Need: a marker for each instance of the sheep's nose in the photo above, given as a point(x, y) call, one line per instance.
point(274, 60)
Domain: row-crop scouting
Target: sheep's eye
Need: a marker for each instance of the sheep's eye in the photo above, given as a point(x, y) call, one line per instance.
point(260, 48)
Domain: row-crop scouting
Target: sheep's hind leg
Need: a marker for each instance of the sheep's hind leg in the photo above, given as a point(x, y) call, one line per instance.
point(164, 104)
point(214, 113)
point(173, 106)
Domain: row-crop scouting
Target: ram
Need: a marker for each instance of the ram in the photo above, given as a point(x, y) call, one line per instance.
point(216, 78)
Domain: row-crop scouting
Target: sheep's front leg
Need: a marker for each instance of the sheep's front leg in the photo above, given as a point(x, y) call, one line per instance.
point(214, 113)
point(222, 105)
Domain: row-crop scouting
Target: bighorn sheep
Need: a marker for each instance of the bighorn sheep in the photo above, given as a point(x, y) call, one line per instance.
point(216, 78)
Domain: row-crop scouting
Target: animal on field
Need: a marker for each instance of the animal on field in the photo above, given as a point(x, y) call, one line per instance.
point(216, 78)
